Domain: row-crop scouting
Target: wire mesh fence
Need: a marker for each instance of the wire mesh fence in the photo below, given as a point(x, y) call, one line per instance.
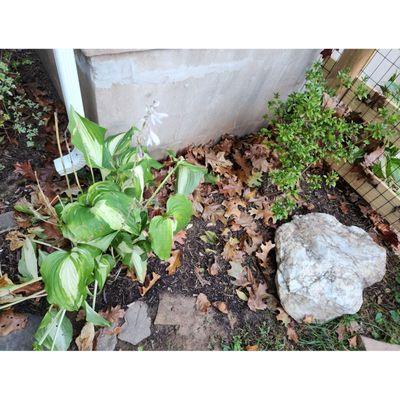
point(371, 94)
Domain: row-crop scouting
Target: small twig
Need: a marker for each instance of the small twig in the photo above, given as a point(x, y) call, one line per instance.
point(73, 166)
point(42, 293)
point(45, 199)
point(61, 155)
point(46, 244)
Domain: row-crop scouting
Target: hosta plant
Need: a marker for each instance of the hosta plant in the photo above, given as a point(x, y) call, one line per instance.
point(106, 224)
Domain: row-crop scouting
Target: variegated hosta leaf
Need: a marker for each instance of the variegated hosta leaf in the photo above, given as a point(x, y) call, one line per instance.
point(189, 176)
point(82, 225)
point(27, 265)
point(138, 260)
point(99, 188)
point(93, 317)
point(134, 185)
point(87, 137)
point(66, 275)
point(49, 327)
point(161, 230)
point(104, 265)
point(180, 208)
point(119, 211)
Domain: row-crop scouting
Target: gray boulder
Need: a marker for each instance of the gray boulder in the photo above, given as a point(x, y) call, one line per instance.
point(323, 266)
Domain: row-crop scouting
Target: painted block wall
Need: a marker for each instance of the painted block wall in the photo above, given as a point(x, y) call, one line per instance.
point(206, 93)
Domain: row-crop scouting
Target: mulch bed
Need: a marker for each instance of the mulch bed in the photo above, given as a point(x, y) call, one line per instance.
point(192, 277)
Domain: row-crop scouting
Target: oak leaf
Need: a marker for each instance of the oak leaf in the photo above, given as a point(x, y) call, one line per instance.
point(283, 316)
point(202, 303)
point(221, 306)
point(256, 295)
point(148, 284)
point(16, 240)
point(174, 262)
point(263, 254)
point(114, 314)
point(292, 334)
point(85, 339)
point(25, 169)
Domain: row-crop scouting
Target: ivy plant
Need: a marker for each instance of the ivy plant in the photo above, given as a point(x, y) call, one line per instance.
point(106, 224)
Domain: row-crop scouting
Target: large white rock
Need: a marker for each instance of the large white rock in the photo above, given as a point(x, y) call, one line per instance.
point(323, 266)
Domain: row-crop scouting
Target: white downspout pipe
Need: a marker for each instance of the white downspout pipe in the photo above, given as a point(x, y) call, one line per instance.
point(68, 76)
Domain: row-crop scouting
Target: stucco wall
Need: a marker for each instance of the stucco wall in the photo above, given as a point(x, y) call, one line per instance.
point(206, 93)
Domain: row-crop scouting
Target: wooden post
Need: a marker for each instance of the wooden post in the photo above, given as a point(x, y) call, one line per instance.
point(352, 59)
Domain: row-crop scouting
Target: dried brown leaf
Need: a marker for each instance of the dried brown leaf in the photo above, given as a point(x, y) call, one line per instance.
point(149, 283)
point(11, 322)
point(221, 306)
point(202, 303)
point(263, 254)
point(85, 340)
point(174, 262)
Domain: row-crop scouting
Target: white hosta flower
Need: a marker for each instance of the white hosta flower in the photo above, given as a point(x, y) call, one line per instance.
point(152, 139)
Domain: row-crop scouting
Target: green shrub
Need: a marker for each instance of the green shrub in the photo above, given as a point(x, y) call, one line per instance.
point(306, 130)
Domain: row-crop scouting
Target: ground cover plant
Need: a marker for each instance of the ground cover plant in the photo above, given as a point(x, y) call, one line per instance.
point(311, 126)
point(224, 259)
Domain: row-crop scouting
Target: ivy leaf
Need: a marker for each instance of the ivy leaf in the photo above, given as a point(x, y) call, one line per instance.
point(180, 207)
point(93, 317)
point(189, 176)
point(161, 231)
point(27, 265)
point(87, 137)
point(66, 275)
point(49, 327)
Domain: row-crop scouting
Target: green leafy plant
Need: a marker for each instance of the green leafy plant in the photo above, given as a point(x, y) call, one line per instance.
point(15, 107)
point(105, 224)
point(306, 129)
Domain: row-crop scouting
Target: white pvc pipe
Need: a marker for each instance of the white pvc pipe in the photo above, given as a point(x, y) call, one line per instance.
point(68, 76)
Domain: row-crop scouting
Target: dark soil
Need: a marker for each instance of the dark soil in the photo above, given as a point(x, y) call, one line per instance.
point(197, 256)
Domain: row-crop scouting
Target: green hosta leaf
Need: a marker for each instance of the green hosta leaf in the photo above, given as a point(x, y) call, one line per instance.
point(48, 327)
point(102, 269)
point(27, 265)
point(180, 207)
point(119, 211)
point(103, 243)
point(189, 176)
point(99, 188)
point(82, 225)
point(66, 275)
point(87, 137)
point(147, 163)
point(93, 317)
point(161, 231)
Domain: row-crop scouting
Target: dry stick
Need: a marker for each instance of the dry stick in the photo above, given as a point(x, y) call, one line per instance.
point(61, 156)
point(73, 166)
point(42, 293)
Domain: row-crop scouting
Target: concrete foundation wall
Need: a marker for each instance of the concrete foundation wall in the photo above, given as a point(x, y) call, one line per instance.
point(206, 93)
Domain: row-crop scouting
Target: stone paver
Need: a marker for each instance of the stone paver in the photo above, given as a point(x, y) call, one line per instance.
point(195, 330)
point(137, 323)
point(375, 345)
point(7, 222)
point(21, 340)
